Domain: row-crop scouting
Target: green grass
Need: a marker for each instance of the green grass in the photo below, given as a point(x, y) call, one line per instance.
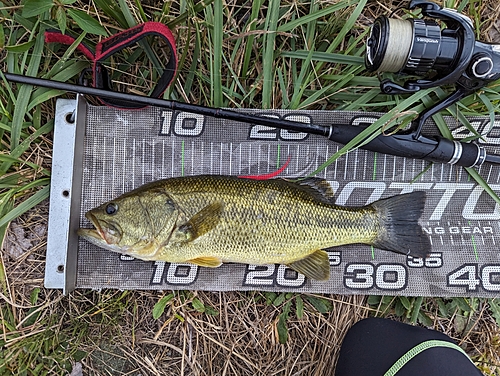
point(258, 54)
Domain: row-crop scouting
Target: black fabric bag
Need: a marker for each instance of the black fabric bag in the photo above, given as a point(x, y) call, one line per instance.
point(374, 346)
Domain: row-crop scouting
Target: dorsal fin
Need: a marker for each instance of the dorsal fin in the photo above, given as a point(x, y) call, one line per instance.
point(317, 188)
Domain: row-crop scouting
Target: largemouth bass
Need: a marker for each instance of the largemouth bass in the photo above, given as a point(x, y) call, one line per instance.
point(208, 220)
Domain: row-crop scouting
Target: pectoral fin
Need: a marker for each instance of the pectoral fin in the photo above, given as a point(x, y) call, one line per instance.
point(209, 262)
point(200, 223)
point(314, 266)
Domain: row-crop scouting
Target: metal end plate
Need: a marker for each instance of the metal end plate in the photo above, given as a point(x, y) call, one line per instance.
point(65, 194)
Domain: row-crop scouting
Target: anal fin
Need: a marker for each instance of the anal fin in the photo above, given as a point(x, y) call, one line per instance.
point(314, 266)
point(207, 261)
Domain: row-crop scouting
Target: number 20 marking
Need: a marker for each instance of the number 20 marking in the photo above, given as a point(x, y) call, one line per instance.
point(270, 275)
point(280, 275)
point(264, 132)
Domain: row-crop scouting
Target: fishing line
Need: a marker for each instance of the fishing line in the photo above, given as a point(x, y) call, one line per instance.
point(399, 44)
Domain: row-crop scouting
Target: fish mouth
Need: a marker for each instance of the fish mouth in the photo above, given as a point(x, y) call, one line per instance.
point(104, 232)
point(90, 234)
point(97, 232)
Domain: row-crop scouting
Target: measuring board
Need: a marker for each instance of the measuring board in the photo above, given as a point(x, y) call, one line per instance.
point(110, 151)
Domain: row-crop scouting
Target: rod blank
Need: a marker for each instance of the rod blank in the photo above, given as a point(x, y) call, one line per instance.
point(173, 105)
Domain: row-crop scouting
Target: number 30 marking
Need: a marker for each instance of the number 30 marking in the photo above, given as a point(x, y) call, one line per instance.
point(383, 276)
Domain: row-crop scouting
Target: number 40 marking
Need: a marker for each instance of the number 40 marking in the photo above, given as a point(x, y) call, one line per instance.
point(469, 277)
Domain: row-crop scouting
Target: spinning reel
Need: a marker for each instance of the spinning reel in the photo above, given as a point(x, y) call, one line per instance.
point(449, 56)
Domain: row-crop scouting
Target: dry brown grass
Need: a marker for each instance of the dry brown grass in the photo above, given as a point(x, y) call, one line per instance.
point(115, 333)
point(241, 340)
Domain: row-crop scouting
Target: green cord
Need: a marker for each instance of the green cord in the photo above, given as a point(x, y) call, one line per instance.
point(417, 350)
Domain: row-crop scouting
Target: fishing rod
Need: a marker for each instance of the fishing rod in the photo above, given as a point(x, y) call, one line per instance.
point(430, 148)
point(442, 56)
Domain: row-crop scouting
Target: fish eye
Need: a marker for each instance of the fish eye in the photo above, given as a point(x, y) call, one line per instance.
point(111, 208)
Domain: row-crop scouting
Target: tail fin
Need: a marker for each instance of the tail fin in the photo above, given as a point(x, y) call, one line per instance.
point(401, 232)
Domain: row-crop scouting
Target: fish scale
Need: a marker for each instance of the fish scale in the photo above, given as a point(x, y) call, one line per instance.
point(291, 223)
point(212, 219)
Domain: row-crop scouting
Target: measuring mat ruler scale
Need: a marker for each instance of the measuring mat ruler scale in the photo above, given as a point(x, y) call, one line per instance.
point(115, 151)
